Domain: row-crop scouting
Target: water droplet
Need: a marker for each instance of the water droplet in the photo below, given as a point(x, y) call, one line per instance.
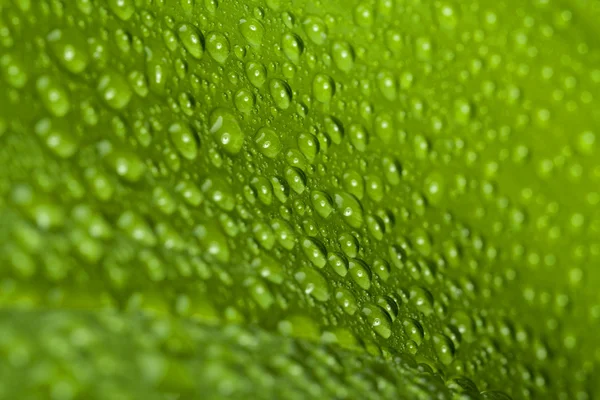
point(586, 142)
point(363, 15)
point(308, 145)
point(281, 93)
point(314, 251)
point(263, 188)
point(163, 200)
point(123, 9)
point(280, 188)
point(184, 140)
point(315, 29)
point(187, 5)
point(346, 300)
point(434, 188)
point(323, 88)
point(349, 245)
point(462, 111)
point(57, 136)
point(313, 283)
point(389, 305)
point(192, 40)
point(169, 39)
point(444, 348)
point(69, 49)
point(100, 184)
point(220, 192)
point(381, 268)
point(137, 228)
point(360, 273)
point(338, 263)
point(217, 46)
point(423, 48)
point(384, 127)
point(378, 319)
point(256, 73)
point(447, 16)
point(391, 169)
point(464, 323)
point(139, 83)
point(292, 47)
point(213, 241)
point(398, 256)
point(260, 293)
point(263, 235)
point(226, 131)
point(269, 268)
point(244, 100)
point(283, 233)
point(322, 203)
point(127, 165)
point(268, 142)
point(13, 71)
point(422, 299)
point(334, 129)
point(375, 226)
point(387, 85)
point(53, 96)
point(350, 209)
point(114, 90)
point(358, 137)
point(375, 189)
point(296, 179)
point(343, 55)
point(422, 241)
point(190, 193)
point(414, 330)
point(253, 31)
point(353, 183)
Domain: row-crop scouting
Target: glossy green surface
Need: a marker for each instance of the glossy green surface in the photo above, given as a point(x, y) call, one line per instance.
point(299, 199)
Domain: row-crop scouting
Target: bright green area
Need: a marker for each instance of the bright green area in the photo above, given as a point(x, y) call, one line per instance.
point(300, 199)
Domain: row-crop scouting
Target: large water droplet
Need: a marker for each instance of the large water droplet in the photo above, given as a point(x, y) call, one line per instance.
point(218, 46)
point(378, 320)
point(192, 40)
point(314, 251)
point(226, 131)
point(114, 90)
point(268, 142)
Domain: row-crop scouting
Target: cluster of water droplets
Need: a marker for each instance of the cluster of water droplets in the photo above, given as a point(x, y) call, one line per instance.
point(374, 176)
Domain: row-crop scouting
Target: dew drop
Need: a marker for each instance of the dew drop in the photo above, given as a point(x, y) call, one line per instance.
point(314, 251)
point(218, 47)
point(192, 40)
point(338, 263)
point(292, 47)
point(323, 88)
point(378, 319)
point(69, 49)
point(53, 96)
point(268, 142)
point(253, 31)
point(184, 140)
point(345, 299)
point(114, 90)
point(281, 93)
point(343, 55)
point(313, 283)
point(360, 273)
point(226, 131)
point(350, 209)
point(322, 203)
